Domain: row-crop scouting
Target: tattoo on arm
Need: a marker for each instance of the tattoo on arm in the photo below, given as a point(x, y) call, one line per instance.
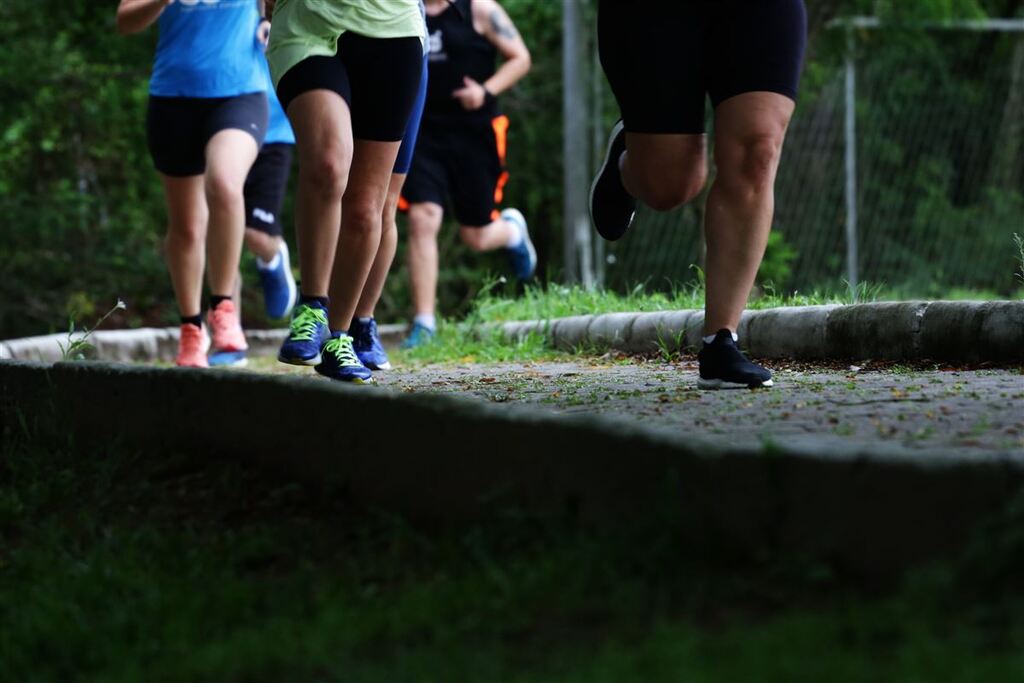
point(502, 26)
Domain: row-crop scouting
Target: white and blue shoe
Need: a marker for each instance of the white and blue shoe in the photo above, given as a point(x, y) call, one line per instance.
point(279, 291)
point(523, 257)
point(307, 334)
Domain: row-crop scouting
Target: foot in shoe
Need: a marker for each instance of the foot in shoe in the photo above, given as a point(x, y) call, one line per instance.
point(340, 362)
point(192, 347)
point(523, 256)
point(723, 366)
point(306, 336)
point(612, 208)
point(226, 328)
point(278, 283)
point(366, 342)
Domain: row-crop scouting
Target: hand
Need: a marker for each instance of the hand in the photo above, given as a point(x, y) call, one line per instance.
point(263, 32)
point(471, 95)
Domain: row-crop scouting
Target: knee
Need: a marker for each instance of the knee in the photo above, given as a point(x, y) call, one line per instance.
point(753, 163)
point(328, 176)
point(472, 238)
point(185, 234)
point(424, 220)
point(222, 192)
point(675, 190)
point(362, 218)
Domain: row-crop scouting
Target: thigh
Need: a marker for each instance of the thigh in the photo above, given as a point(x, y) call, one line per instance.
point(248, 113)
point(653, 55)
point(667, 160)
point(477, 173)
point(175, 134)
point(265, 188)
point(385, 76)
point(322, 122)
point(757, 46)
point(314, 73)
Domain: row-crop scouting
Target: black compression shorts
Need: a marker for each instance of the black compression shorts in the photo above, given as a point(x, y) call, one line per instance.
point(664, 57)
point(378, 77)
point(178, 128)
point(463, 161)
point(265, 188)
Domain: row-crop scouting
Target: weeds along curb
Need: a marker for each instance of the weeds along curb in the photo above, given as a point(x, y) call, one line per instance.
point(873, 513)
point(957, 331)
point(148, 344)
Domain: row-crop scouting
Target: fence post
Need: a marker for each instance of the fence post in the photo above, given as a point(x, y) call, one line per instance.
point(851, 160)
point(579, 263)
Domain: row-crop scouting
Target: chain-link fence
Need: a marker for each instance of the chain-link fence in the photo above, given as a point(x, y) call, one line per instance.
point(903, 167)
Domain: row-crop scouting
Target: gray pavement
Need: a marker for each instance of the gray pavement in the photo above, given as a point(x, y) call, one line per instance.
point(970, 411)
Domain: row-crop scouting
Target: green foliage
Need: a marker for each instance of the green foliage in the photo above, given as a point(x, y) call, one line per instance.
point(78, 346)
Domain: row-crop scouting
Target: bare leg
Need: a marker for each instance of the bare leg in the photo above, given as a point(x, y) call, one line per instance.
point(362, 207)
point(749, 132)
point(261, 244)
point(378, 276)
point(664, 171)
point(495, 235)
point(424, 225)
point(185, 244)
point(229, 156)
point(323, 132)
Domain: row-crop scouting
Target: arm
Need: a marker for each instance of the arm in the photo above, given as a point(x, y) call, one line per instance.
point(500, 30)
point(137, 15)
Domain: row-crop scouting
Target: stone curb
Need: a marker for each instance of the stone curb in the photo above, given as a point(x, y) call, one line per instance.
point(149, 344)
point(873, 513)
point(957, 331)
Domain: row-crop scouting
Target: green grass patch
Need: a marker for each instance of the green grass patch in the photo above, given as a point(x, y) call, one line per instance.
point(120, 566)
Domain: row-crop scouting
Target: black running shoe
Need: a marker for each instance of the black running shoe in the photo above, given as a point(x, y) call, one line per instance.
point(611, 207)
point(723, 366)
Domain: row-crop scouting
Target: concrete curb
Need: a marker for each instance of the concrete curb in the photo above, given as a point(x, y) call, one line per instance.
point(148, 344)
point(958, 331)
point(872, 513)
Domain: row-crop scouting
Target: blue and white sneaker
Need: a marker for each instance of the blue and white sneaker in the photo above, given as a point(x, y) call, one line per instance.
point(340, 361)
point(366, 341)
point(723, 366)
point(419, 335)
point(523, 257)
point(306, 336)
point(279, 290)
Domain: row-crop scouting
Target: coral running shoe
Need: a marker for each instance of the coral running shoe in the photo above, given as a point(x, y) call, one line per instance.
point(192, 347)
point(227, 330)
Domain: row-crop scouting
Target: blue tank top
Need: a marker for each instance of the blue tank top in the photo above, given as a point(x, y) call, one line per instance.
point(279, 131)
point(208, 48)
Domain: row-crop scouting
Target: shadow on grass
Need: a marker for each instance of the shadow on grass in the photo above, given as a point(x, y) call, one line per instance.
point(120, 566)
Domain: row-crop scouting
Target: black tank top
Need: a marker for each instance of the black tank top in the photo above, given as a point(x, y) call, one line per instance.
point(457, 50)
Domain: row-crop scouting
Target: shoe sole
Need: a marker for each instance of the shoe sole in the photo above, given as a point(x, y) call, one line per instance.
point(302, 362)
point(721, 384)
point(228, 359)
point(382, 366)
point(620, 126)
point(354, 380)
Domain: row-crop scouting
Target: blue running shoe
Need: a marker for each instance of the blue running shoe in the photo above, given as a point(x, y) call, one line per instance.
point(340, 361)
point(279, 290)
point(523, 257)
point(419, 335)
point(723, 366)
point(307, 334)
point(366, 341)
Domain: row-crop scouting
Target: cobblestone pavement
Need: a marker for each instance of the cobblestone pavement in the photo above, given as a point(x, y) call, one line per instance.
point(966, 410)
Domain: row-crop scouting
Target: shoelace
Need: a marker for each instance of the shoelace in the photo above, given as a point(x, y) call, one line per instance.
point(341, 348)
point(305, 322)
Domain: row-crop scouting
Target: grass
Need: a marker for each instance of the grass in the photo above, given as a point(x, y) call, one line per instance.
point(121, 567)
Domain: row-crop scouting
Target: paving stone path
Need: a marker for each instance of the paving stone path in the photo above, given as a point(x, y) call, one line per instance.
point(964, 410)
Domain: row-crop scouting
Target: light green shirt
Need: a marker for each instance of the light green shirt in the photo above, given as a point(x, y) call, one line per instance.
point(309, 28)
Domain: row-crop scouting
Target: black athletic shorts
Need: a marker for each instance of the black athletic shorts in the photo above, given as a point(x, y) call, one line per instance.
point(464, 162)
point(663, 58)
point(379, 78)
point(178, 128)
point(265, 188)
